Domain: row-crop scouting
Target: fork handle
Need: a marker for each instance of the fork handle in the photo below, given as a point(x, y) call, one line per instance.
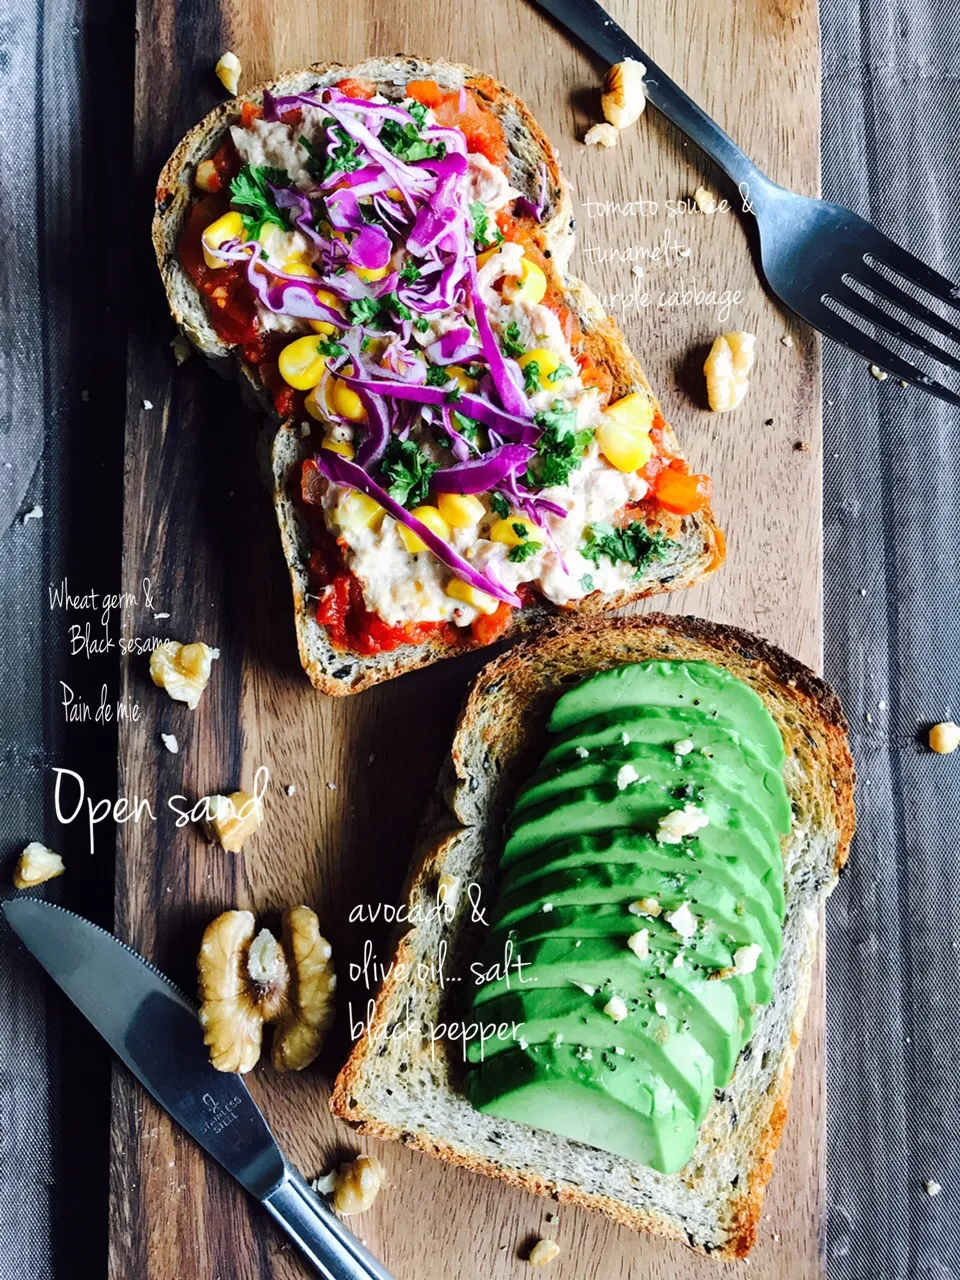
point(589, 22)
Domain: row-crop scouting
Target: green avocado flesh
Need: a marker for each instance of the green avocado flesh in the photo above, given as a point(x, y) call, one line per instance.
point(639, 917)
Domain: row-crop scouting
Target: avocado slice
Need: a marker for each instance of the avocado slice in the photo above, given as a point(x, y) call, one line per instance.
point(736, 762)
point(710, 1009)
point(622, 1107)
point(745, 920)
point(626, 848)
point(658, 683)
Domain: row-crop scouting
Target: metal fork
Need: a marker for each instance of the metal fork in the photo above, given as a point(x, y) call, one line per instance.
point(827, 264)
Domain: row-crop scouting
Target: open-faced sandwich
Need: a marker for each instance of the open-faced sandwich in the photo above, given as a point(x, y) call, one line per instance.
point(467, 444)
point(622, 872)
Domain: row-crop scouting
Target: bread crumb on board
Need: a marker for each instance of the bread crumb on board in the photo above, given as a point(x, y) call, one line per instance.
point(169, 740)
point(543, 1252)
point(944, 738)
point(878, 373)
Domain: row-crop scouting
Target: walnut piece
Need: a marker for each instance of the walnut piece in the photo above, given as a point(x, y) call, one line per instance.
point(36, 865)
point(309, 1008)
point(727, 370)
point(249, 979)
point(228, 71)
point(543, 1251)
point(353, 1187)
point(624, 97)
point(705, 200)
point(604, 135)
point(944, 737)
point(232, 819)
point(182, 669)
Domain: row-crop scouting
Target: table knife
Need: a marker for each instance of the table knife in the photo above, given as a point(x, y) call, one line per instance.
point(154, 1029)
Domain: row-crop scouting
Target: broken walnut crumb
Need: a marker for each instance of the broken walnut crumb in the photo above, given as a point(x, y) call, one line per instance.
point(36, 865)
point(603, 135)
point(232, 819)
point(801, 446)
point(228, 71)
point(183, 670)
point(543, 1252)
point(705, 200)
point(624, 97)
point(353, 1187)
point(878, 373)
point(727, 369)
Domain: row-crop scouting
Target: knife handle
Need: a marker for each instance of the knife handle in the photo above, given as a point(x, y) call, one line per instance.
point(591, 23)
point(335, 1252)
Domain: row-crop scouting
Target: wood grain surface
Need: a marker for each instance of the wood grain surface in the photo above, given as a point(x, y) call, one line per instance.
point(198, 523)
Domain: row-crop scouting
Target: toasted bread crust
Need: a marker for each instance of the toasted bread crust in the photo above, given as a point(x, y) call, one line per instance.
point(526, 681)
point(329, 671)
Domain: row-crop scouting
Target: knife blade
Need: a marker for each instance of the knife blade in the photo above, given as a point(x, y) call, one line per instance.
point(154, 1029)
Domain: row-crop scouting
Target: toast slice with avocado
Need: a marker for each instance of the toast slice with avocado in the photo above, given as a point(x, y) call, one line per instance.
point(625, 861)
point(465, 447)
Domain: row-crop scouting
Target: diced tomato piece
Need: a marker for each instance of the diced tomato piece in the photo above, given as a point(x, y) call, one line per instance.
point(285, 401)
point(311, 486)
point(354, 87)
point(249, 112)
point(462, 109)
point(293, 117)
point(226, 161)
point(490, 627)
point(680, 492)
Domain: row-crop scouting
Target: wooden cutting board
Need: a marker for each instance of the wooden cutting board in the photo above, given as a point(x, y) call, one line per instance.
point(198, 524)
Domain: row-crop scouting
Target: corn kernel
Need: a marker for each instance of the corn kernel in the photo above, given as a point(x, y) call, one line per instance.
point(301, 364)
point(343, 447)
point(457, 589)
point(635, 411)
point(530, 287)
point(434, 521)
point(461, 510)
point(484, 258)
point(512, 530)
point(228, 227)
point(315, 403)
point(548, 363)
point(463, 379)
point(624, 447)
point(331, 300)
point(371, 273)
point(355, 511)
point(344, 401)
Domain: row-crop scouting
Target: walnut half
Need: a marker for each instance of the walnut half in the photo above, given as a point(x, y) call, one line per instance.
point(353, 1187)
point(36, 865)
point(183, 670)
point(249, 979)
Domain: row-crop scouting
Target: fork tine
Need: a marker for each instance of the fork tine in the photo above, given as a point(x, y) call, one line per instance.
point(906, 302)
point(834, 326)
point(884, 320)
point(911, 268)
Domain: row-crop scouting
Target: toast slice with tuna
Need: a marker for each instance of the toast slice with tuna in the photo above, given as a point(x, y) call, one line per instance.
point(465, 447)
point(406, 1078)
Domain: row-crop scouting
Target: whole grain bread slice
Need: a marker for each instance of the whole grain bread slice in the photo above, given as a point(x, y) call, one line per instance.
point(403, 1080)
point(534, 169)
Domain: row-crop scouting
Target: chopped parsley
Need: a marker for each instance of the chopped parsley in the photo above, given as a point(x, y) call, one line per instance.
point(510, 341)
point(560, 372)
point(390, 302)
point(467, 427)
point(520, 529)
point(531, 377)
point(405, 142)
point(410, 272)
point(524, 551)
point(437, 376)
point(363, 310)
point(421, 324)
point(454, 395)
point(251, 194)
point(499, 505)
point(407, 471)
point(635, 544)
point(328, 348)
point(482, 234)
point(417, 110)
point(344, 158)
point(560, 446)
point(315, 160)
point(586, 583)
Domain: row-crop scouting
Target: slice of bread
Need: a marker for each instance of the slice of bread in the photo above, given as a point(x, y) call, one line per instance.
point(698, 546)
point(403, 1080)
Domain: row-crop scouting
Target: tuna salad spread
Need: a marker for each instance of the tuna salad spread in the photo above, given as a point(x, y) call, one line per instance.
point(393, 291)
point(642, 903)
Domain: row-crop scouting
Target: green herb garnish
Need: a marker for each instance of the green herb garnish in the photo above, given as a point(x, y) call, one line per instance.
point(421, 324)
point(408, 471)
point(328, 348)
point(404, 141)
point(345, 158)
point(511, 342)
point(417, 110)
point(410, 272)
point(363, 310)
point(560, 446)
point(636, 544)
point(524, 551)
point(499, 505)
point(252, 196)
point(437, 377)
point(482, 234)
point(560, 372)
point(531, 377)
point(586, 582)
